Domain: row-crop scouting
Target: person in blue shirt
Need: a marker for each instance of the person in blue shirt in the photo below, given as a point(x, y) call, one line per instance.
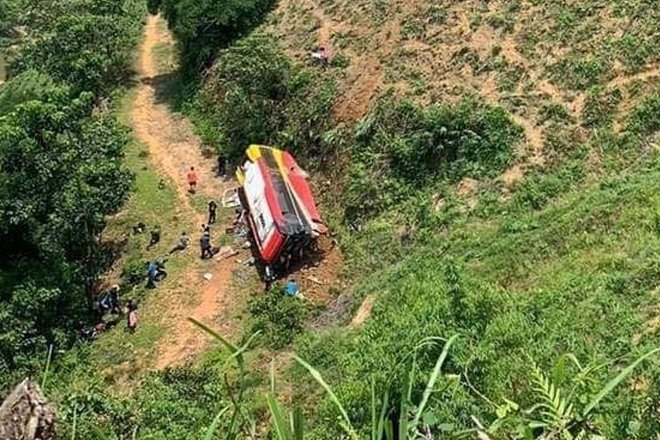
point(292, 288)
point(152, 270)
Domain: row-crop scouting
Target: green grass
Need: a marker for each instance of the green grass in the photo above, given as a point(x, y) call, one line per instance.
point(576, 276)
point(3, 69)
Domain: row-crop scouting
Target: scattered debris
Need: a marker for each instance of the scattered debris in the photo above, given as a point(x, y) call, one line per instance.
point(225, 252)
point(314, 280)
point(230, 198)
point(208, 276)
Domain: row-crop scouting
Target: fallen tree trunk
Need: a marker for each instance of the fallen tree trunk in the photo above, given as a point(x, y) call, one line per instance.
point(26, 415)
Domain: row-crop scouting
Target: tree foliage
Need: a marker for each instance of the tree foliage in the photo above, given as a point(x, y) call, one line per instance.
point(61, 168)
point(253, 94)
point(88, 48)
point(203, 27)
point(61, 173)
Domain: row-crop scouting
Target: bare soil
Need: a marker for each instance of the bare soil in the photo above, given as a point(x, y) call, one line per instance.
point(399, 47)
point(364, 311)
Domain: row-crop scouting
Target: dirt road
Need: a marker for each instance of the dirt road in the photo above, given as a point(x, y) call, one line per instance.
point(173, 149)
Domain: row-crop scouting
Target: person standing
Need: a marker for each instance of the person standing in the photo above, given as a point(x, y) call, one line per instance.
point(192, 180)
point(132, 317)
point(222, 164)
point(205, 245)
point(212, 209)
point(113, 294)
point(152, 270)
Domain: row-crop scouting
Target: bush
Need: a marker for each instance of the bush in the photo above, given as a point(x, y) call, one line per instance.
point(278, 317)
point(134, 272)
point(402, 149)
point(645, 118)
point(203, 27)
point(600, 107)
point(254, 95)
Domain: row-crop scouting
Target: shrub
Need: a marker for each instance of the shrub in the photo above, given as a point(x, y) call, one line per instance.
point(203, 27)
point(600, 107)
point(134, 272)
point(579, 72)
point(257, 96)
point(645, 118)
point(278, 317)
point(401, 149)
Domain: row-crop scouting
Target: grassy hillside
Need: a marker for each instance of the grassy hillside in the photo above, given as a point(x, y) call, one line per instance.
point(544, 246)
point(490, 171)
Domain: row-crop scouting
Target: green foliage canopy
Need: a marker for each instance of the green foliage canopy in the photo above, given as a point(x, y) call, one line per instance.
point(203, 27)
point(61, 173)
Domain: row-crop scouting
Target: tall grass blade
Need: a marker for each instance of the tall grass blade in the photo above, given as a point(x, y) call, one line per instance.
point(377, 415)
point(272, 377)
point(281, 427)
point(374, 423)
point(236, 352)
point(403, 419)
point(432, 380)
point(348, 427)
point(100, 435)
point(297, 423)
point(214, 424)
point(75, 420)
point(616, 381)
point(44, 378)
point(382, 417)
point(231, 347)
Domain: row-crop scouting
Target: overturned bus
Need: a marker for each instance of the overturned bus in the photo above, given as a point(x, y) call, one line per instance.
point(282, 215)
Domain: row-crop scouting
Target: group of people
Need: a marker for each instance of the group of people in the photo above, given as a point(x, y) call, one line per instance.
point(108, 303)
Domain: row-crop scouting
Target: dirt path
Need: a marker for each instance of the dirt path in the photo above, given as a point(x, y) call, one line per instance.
point(173, 149)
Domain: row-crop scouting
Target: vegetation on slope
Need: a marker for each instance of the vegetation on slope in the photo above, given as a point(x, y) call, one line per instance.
point(562, 265)
point(61, 169)
point(549, 285)
point(203, 27)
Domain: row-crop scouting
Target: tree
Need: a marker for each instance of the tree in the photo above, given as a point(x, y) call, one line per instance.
point(60, 174)
point(88, 51)
point(203, 27)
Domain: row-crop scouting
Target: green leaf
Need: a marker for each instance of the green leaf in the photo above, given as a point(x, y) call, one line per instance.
point(616, 381)
point(348, 427)
point(281, 427)
point(214, 424)
point(297, 423)
point(432, 380)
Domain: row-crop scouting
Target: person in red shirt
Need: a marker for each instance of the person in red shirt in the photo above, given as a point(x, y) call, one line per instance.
point(192, 180)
